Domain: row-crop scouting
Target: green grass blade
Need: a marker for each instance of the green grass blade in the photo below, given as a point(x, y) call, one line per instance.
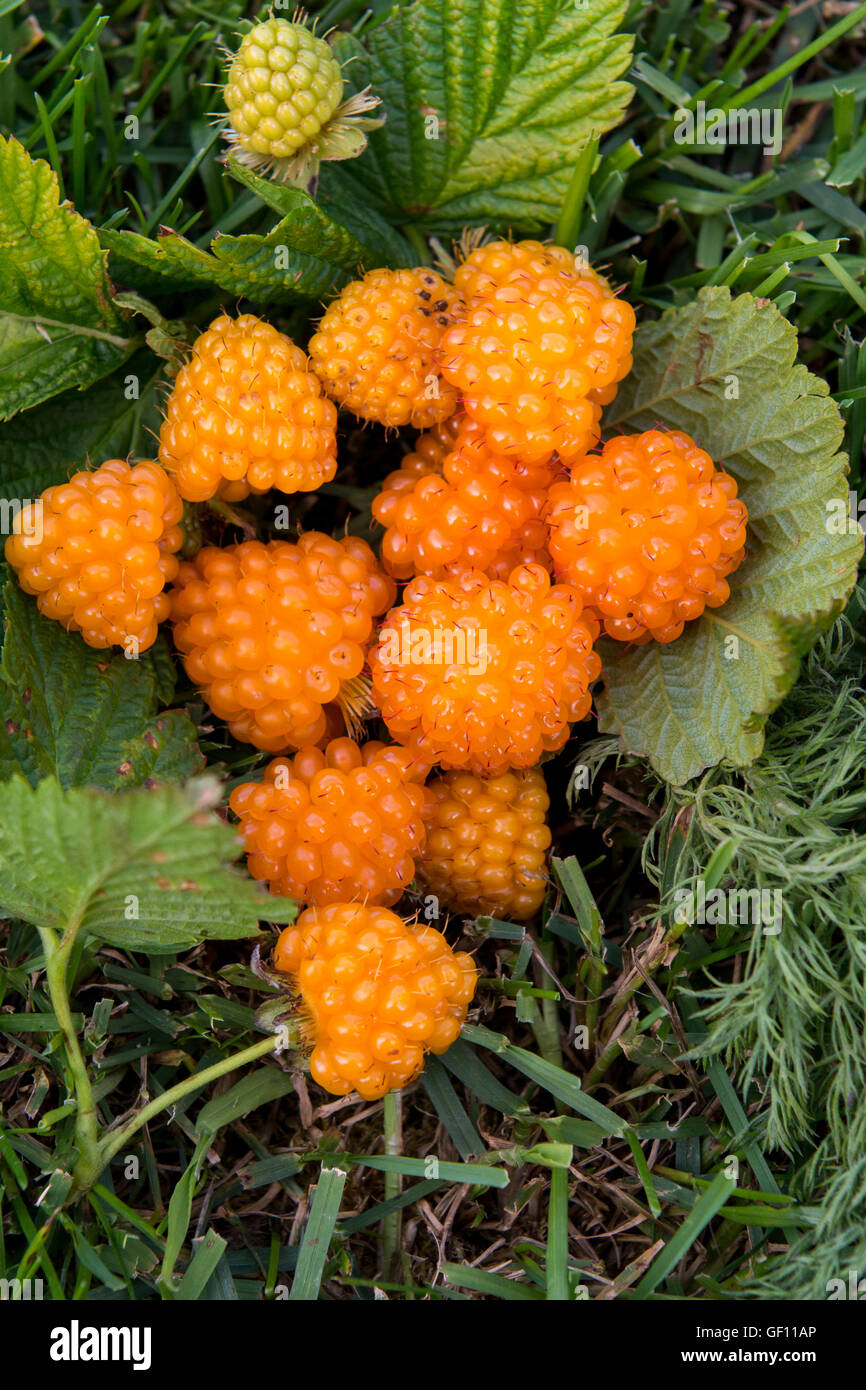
point(698, 1218)
point(465, 1136)
point(556, 1263)
point(317, 1236)
point(493, 1285)
point(201, 1267)
point(554, 1079)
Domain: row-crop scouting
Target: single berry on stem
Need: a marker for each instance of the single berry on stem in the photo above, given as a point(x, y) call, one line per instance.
point(376, 994)
point(286, 113)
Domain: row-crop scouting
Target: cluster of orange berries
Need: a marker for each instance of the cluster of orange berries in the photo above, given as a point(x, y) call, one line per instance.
point(518, 546)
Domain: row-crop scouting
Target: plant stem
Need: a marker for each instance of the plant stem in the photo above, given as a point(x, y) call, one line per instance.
point(571, 213)
point(418, 242)
point(115, 1140)
point(393, 1123)
point(57, 953)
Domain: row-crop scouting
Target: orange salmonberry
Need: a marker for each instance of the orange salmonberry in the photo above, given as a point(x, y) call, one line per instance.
point(537, 343)
point(477, 509)
point(275, 633)
point(247, 409)
point(487, 841)
point(376, 345)
point(496, 263)
point(335, 825)
point(647, 530)
point(377, 992)
point(424, 461)
point(483, 674)
point(98, 550)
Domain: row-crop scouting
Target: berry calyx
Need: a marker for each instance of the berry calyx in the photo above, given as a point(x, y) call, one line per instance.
point(537, 342)
point(487, 841)
point(335, 825)
point(276, 633)
point(483, 674)
point(478, 510)
point(376, 347)
point(97, 552)
point(647, 532)
point(284, 95)
point(377, 993)
point(247, 414)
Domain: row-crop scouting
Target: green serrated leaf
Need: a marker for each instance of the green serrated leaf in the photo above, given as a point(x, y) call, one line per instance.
point(146, 870)
point(337, 195)
point(268, 269)
point(58, 326)
point(340, 231)
point(724, 370)
point(87, 717)
point(487, 105)
point(117, 416)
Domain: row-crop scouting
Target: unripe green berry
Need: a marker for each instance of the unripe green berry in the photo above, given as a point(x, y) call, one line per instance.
point(284, 84)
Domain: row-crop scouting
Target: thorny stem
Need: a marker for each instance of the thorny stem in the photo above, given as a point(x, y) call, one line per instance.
point(57, 953)
point(115, 1140)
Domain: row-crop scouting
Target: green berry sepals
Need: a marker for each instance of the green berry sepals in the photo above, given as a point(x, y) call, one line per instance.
point(286, 112)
